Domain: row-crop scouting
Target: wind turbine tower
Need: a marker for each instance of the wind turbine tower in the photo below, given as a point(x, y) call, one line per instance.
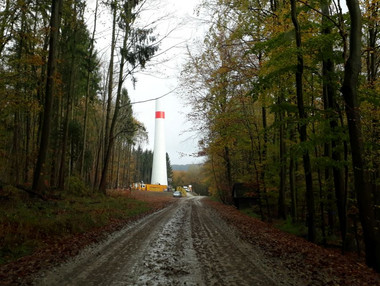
point(159, 173)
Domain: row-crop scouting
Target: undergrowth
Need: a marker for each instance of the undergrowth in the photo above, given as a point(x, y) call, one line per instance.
point(295, 228)
point(28, 224)
point(250, 212)
point(291, 227)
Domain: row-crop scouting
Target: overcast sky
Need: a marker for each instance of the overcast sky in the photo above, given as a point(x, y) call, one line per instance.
point(162, 78)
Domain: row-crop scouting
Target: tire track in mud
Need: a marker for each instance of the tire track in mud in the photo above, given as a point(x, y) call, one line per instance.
point(183, 244)
point(155, 250)
point(104, 263)
point(224, 258)
point(170, 259)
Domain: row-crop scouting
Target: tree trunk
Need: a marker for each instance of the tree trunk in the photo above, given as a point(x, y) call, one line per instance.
point(371, 233)
point(263, 158)
point(97, 161)
point(281, 194)
point(55, 21)
point(330, 104)
point(119, 157)
point(70, 92)
point(292, 190)
point(63, 147)
point(111, 136)
point(110, 82)
point(302, 128)
point(227, 161)
point(89, 71)
point(372, 70)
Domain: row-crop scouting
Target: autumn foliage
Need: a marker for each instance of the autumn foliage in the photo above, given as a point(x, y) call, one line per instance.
point(285, 96)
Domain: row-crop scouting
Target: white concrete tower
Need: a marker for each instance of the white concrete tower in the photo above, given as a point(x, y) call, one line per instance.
point(159, 173)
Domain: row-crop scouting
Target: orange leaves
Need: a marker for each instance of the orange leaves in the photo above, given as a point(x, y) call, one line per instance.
point(34, 60)
point(315, 264)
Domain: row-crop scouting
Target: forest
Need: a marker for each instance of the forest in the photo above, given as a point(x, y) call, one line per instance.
point(284, 96)
point(65, 115)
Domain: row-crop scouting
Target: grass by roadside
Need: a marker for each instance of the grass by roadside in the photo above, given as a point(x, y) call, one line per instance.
point(46, 233)
point(27, 225)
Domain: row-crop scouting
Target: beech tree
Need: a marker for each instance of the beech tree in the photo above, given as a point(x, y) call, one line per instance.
point(363, 187)
point(303, 126)
point(55, 21)
point(299, 58)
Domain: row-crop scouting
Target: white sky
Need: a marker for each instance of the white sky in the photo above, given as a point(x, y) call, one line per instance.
point(161, 78)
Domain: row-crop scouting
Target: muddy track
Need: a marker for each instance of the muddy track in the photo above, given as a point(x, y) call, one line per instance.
point(184, 244)
point(223, 256)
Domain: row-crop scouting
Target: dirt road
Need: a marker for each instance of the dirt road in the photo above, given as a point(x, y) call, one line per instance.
point(183, 244)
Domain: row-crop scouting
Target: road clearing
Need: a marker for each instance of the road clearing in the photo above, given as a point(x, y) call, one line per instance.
point(183, 244)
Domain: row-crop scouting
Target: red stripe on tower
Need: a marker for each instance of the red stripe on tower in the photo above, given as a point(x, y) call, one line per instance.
point(160, 114)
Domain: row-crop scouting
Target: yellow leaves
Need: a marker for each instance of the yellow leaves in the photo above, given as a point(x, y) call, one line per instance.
point(370, 9)
point(34, 60)
point(14, 102)
point(223, 69)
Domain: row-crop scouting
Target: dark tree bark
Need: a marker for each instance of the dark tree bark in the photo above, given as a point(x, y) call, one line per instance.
point(330, 104)
point(371, 232)
point(292, 183)
point(55, 21)
point(373, 33)
point(111, 136)
point(263, 156)
point(302, 128)
point(62, 166)
point(107, 134)
point(281, 194)
point(373, 66)
point(89, 71)
point(110, 80)
point(70, 95)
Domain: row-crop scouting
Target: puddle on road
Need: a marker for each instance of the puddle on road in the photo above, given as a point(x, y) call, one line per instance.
point(170, 259)
point(184, 244)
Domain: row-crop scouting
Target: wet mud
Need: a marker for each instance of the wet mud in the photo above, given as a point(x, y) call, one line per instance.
point(183, 244)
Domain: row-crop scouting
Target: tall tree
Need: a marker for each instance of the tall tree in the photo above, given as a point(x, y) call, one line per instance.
point(137, 54)
point(363, 188)
point(90, 70)
point(331, 106)
point(70, 85)
point(303, 126)
point(55, 21)
point(114, 9)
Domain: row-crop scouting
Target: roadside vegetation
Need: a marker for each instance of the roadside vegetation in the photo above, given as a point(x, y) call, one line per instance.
point(67, 131)
point(284, 96)
point(318, 265)
point(29, 224)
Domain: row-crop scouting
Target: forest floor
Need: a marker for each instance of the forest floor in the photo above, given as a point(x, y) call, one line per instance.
point(314, 262)
point(50, 244)
point(298, 259)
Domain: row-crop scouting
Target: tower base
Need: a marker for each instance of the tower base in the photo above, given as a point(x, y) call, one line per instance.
point(156, 188)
